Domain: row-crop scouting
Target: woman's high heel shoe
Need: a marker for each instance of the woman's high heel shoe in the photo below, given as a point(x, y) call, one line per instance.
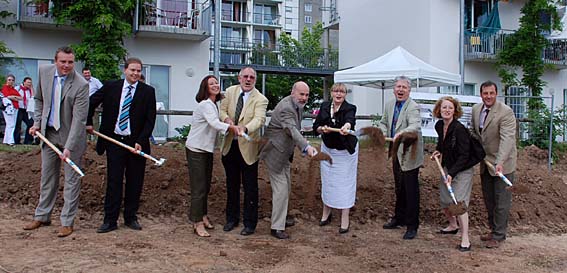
point(327, 221)
point(199, 229)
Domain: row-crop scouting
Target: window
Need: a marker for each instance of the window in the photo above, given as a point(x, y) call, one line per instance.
point(469, 90)
point(308, 19)
point(308, 7)
point(288, 21)
point(265, 14)
point(289, 9)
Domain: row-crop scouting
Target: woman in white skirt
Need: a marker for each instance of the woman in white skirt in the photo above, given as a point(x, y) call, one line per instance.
point(10, 98)
point(338, 180)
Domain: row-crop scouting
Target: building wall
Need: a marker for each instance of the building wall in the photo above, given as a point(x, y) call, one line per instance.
point(291, 13)
point(429, 29)
point(183, 57)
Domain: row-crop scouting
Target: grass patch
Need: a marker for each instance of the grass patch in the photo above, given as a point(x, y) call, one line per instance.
point(18, 148)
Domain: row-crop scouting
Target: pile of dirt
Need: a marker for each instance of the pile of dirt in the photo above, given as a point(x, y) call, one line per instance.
point(166, 189)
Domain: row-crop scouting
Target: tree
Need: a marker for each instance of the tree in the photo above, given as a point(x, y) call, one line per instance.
point(104, 24)
point(307, 53)
point(523, 49)
point(6, 23)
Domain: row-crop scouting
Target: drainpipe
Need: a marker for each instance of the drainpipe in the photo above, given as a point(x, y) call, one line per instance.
point(218, 6)
point(461, 46)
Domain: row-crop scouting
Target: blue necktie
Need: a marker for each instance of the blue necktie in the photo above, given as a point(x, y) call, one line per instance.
point(125, 115)
point(397, 110)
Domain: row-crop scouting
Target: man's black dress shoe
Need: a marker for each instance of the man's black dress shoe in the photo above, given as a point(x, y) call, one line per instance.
point(106, 227)
point(393, 224)
point(455, 231)
point(289, 221)
point(229, 226)
point(247, 231)
point(410, 234)
point(327, 221)
point(464, 249)
point(280, 234)
point(134, 225)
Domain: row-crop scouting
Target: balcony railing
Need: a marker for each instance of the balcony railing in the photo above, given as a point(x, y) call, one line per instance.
point(272, 55)
point(184, 24)
point(486, 46)
point(40, 14)
point(267, 19)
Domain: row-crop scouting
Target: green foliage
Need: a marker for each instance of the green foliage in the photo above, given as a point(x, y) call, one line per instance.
point(523, 49)
point(538, 129)
point(308, 53)
point(6, 23)
point(104, 24)
point(183, 133)
point(376, 120)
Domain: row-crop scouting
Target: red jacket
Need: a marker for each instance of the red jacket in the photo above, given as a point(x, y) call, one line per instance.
point(8, 90)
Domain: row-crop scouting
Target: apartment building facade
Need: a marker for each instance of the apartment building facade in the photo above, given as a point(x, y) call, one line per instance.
point(430, 30)
point(170, 36)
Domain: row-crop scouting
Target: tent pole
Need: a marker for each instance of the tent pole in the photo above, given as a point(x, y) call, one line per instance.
point(383, 105)
point(462, 48)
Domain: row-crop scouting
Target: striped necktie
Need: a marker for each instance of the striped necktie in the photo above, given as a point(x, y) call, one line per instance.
point(125, 113)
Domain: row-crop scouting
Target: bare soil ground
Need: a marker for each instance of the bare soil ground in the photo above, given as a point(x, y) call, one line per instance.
point(537, 241)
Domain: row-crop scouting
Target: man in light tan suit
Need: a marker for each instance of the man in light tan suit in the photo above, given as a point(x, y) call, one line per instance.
point(402, 115)
point(61, 108)
point(244, 106)
point(495, 125)
point(283, 136)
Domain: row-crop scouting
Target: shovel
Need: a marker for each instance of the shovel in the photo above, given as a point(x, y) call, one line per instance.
point(364, 131)
point(511, 187)
point(67, 160)
point(320, 156)
point(131, 149)
point(459, 207)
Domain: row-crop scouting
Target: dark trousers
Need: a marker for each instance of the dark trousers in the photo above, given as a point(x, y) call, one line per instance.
point(237, 172)
point(120, 163)
point(407, 196)
point(200, 173)
point(23, 116)
point(498, 201)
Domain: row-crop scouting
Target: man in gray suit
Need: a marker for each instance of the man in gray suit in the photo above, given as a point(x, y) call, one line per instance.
point(494, 124)
point(401, 115)
point(283, 135)
point(61, 107)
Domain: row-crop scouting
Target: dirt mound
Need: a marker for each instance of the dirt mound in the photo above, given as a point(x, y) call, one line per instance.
point(166, 189)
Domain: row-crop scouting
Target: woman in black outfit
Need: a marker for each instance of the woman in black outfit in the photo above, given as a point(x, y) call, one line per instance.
point(338, 181)
point(453, 147)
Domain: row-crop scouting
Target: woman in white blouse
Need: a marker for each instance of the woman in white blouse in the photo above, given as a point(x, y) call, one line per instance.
point(200, 145)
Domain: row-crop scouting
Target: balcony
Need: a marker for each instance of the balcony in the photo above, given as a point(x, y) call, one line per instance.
point(269, 58)
point(484, 47)
point(39, 15)
point(267, 19)
point(194, 24)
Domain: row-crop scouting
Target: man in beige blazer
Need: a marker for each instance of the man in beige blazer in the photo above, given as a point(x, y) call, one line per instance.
point(61, 108)
point(402, 115)
point(495, 125)
point(244, 106)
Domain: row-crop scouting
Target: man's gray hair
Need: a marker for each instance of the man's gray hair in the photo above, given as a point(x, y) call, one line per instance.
point(247, 67)
point(403, 78)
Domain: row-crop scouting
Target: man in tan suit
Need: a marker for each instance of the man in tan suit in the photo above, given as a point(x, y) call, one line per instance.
point(244, 106)
point(283, 136)
point(61, 108)
point(402, 115)
point(495, 125)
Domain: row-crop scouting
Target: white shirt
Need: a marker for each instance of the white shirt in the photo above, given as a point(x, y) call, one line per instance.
point(117, 130)
point(94, 85)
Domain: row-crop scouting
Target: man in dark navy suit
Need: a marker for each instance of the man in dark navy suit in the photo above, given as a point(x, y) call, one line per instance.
point(128, 115)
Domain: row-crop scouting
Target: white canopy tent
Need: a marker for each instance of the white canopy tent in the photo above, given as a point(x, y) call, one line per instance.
point(380, 72)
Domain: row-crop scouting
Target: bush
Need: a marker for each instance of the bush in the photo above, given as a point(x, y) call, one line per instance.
point(183, 133)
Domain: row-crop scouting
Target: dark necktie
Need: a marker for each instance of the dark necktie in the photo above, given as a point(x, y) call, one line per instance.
point(484, 120)
point(397, 110)
point(125, 115)
point(239, 106)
